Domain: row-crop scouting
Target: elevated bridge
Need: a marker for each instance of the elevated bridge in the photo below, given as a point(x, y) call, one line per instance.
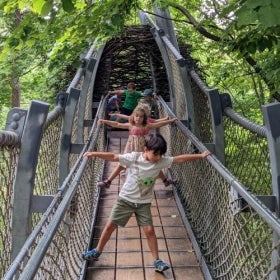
point(219, 221)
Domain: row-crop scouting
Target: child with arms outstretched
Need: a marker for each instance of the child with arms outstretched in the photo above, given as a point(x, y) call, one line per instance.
point(138, 127)
point(137, 192)
point(146, 107)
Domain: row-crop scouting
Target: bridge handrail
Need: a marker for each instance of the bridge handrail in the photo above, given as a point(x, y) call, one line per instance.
point(59, 204)
point(219, 205)
point(53, 115)
point(251, 199)
point(17, 262)
point(164, 38)
point(245, 123)
point(8, 138)
point(80, 71)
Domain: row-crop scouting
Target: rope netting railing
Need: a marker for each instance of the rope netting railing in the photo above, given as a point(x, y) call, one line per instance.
point(240, 144)
point(45, 176)
point(9, 151)
point(44, 186)
point(46, 179)
point(188, 91)
point(53, 250)
point(247, 153)
point(236, 243)
point(235, 238)
point(202, 112)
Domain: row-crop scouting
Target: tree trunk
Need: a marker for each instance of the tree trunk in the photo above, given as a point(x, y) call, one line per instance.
point(15, 91)
point(15, 84)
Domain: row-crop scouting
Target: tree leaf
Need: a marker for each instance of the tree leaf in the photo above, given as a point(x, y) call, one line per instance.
point(47, 7)
point(254, 4)
point(269, 16)
point(37, 6)
point(67, 5)
point(246, 17)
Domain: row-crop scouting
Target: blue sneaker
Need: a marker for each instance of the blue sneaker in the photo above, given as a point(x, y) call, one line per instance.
point(91, 255)
point(160, 265)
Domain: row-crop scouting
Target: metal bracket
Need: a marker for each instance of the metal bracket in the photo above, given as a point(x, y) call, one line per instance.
point(76, 148)
point(88, 123)
point(61, 98)
point(15, 121)
point(225, 100)
point(40, 203)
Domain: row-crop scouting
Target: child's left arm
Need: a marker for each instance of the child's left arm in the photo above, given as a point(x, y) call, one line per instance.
point(189, 157)
point(162, 119)
point(161, 123)
point(104, 155)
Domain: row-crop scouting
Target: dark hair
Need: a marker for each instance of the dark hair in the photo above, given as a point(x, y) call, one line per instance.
point(156, 143)
point(131, 85)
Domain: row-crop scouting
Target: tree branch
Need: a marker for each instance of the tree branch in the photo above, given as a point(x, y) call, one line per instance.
point(215, 38)
point(195, 24)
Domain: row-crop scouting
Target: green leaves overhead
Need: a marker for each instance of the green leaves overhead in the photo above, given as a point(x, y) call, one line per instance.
point(261, 12)
point(48, 36)
point(42, 7)
point(67, 5)
point(224, 35)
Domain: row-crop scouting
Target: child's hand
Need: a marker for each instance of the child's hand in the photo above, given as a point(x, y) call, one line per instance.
point(173, 120)
point(205, 154)
point(101, 120)
point(88, 154)
point(112, 114)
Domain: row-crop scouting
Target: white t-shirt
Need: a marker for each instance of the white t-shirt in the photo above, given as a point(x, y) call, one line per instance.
point(142, 174)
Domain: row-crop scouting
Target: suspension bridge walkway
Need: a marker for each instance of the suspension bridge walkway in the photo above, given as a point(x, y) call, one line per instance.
point(219, 221)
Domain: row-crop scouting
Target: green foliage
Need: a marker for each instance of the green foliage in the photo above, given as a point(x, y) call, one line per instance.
point(236, 44)
point(259, 12)
point(50, 35)
point(41, 38)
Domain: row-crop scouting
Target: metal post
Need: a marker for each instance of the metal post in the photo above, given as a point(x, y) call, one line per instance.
point(83, 99)
point(185, 78)
point(65, 146)
point(271, 115)
point(25, 174)
point(217, 124)
point(164, 21)
point(157, 36)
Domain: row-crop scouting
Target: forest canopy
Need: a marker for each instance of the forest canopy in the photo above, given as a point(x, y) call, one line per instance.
point(236, 43)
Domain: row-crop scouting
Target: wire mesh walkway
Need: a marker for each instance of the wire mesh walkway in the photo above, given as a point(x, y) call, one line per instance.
point(126, 255)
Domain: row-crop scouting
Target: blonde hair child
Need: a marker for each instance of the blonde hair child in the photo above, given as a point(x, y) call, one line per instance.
point(138, 127)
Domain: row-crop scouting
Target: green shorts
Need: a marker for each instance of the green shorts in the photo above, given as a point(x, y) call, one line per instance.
point(122, 211)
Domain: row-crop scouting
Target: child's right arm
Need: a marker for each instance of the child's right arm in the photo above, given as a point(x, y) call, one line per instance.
point(103, 155)
point(117, 91)
point(122, 116)
point(115, 124)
